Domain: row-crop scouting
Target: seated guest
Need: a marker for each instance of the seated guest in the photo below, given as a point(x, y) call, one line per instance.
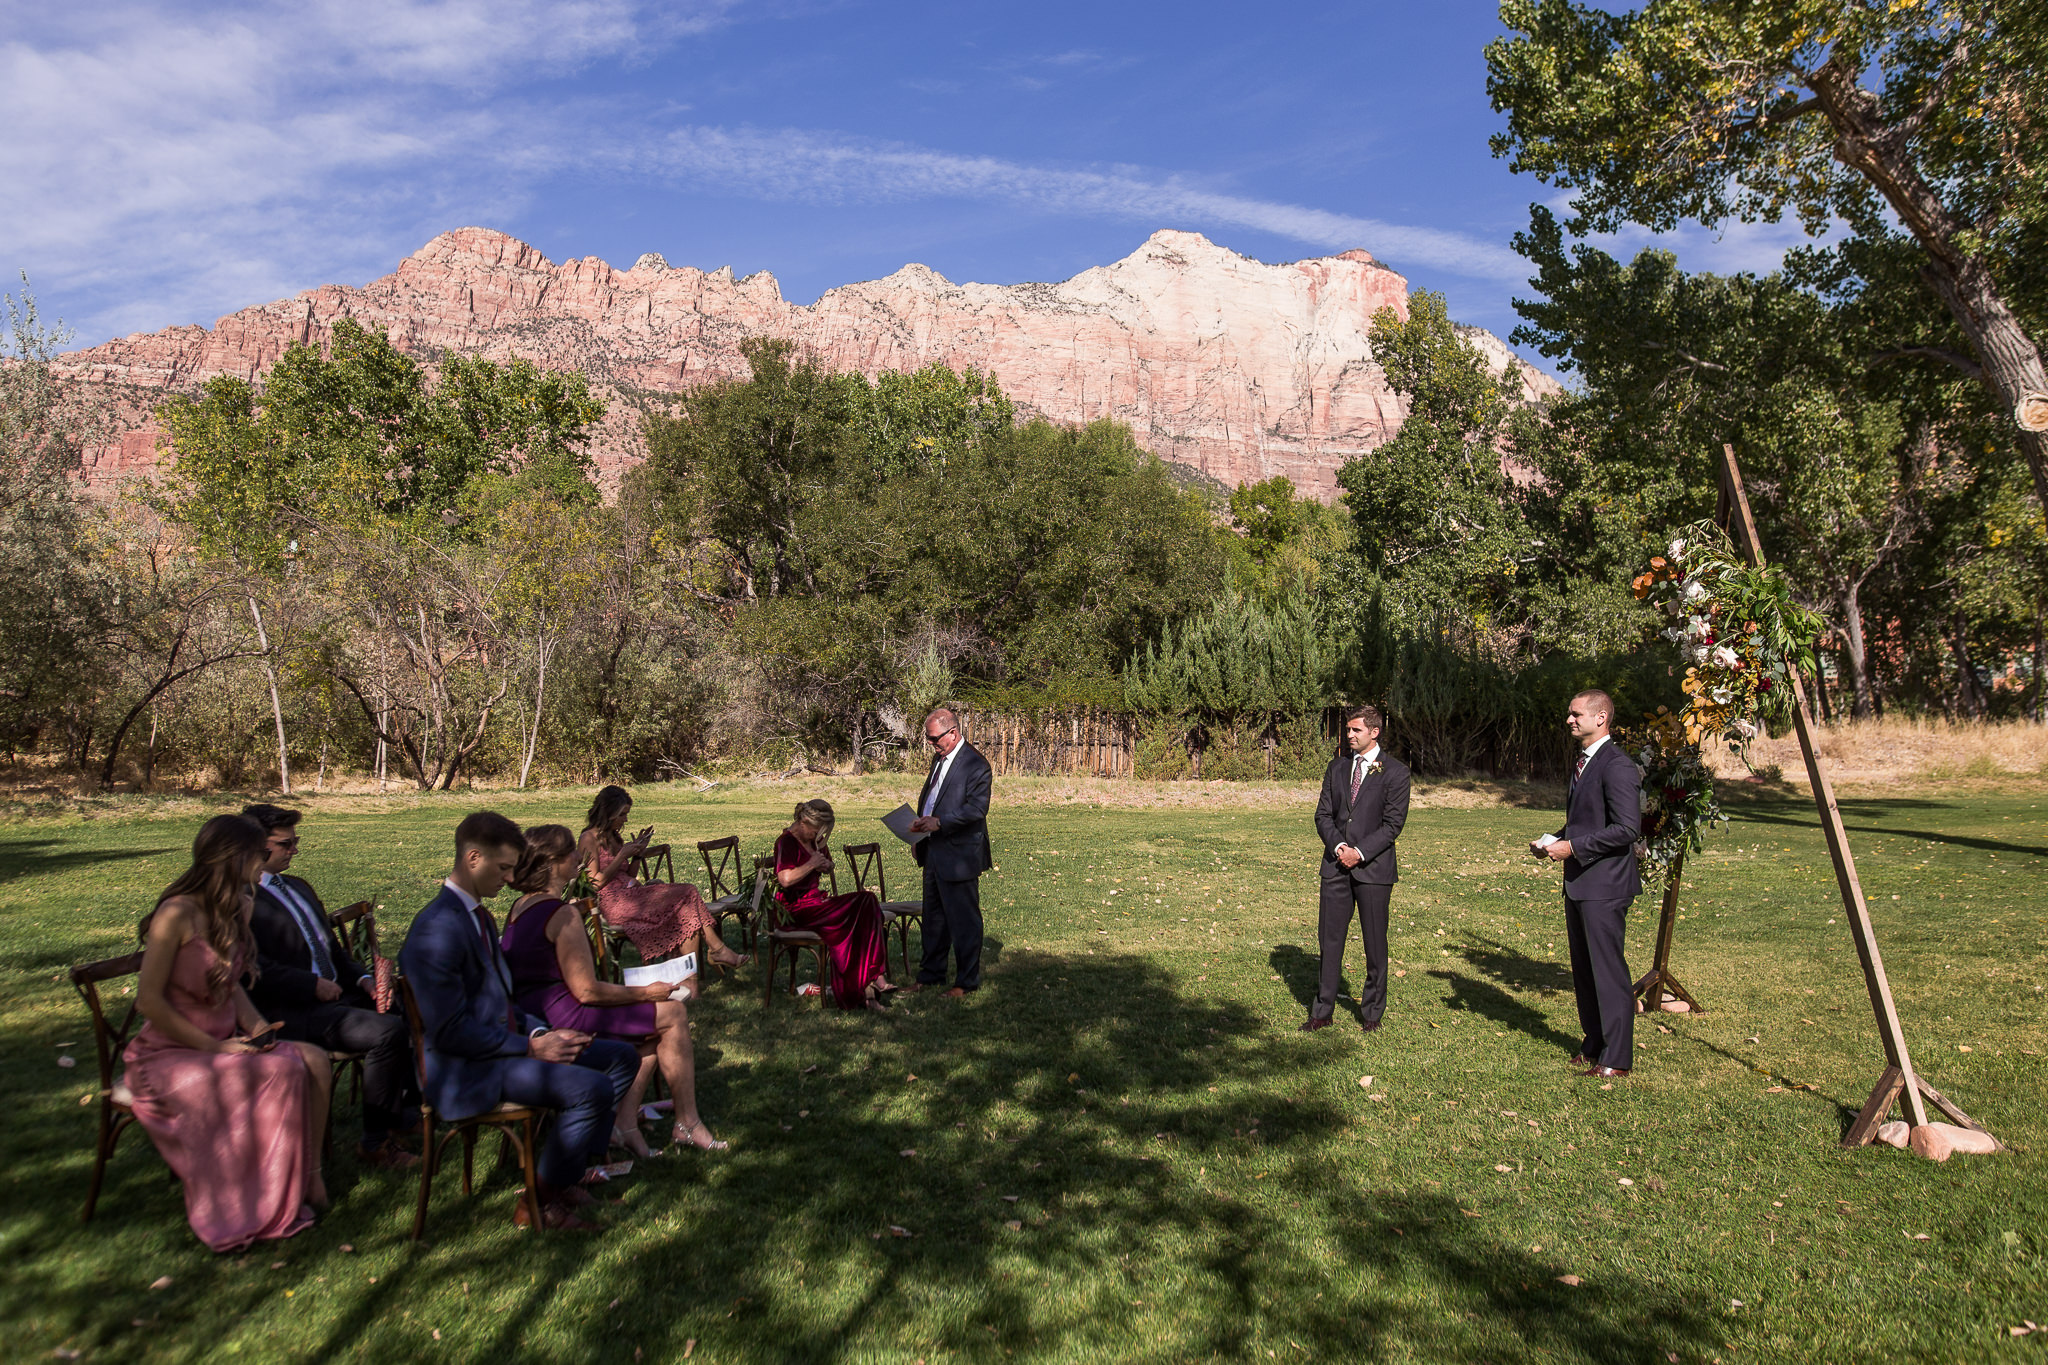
point(240, 1118)
point(483, 1051)
point(851, 925)
point(659, 919)
point(555, 977)
point(321, 995)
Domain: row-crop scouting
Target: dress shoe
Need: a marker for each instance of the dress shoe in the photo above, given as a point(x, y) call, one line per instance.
point(1313, 1023)
point(387, 1156)
point(1369, 1025)
point(1580, 1061)
point(957, 993)
point(1606, 1073)
point(555, 1215)
point(915, 986)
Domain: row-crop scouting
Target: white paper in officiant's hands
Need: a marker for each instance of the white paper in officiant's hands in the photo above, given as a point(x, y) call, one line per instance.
point(675, 970)
point(898, 821)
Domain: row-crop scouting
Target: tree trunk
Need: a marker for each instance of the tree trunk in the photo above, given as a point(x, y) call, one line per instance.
point(2011, 363)
point(1970, 699)
point(320, 777)
point(2040, 680)
point(542, 648)
point(1855, 654)
point(284, 771)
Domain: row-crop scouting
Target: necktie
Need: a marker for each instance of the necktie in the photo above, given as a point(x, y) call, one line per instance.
point(1357, 774)
point(1580, 771)
point(309, 925)
point(496, 958)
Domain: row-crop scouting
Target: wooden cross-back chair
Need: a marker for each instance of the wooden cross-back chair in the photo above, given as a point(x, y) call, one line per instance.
point(518, 1125)
point(116, 1107)
point(356, 927)
point(780, 940)
point(723, 896)
point(651, 858)
point(866, 861)
point(604, 940)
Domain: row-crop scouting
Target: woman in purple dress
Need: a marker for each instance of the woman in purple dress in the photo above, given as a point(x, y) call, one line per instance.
point(659, 918)
point(238, 1116)
point(851, 925)
point(555, 977)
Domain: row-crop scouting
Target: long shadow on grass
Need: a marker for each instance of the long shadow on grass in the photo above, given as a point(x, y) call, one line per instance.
point(1929, 836)
point(26, 857)
point(1181, 1193)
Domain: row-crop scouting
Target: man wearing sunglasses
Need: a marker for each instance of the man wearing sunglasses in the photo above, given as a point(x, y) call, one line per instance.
point(952, 812)
point(308, 982)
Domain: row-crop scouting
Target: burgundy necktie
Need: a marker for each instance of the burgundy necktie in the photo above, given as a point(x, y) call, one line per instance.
point(1357, 775)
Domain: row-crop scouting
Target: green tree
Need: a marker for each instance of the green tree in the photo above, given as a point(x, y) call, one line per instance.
point(1930, 113)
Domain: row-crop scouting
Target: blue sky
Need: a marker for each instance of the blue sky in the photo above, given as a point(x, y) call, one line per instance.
point(167, 164)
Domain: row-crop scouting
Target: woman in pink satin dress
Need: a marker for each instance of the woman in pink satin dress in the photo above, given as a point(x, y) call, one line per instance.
point(238, 1116)
point(851, 925)
point(658, 918)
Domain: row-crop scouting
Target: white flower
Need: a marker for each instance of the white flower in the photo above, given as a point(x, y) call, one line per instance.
point(1677, 549)
point(1745, 729)
point(1694, 590)
point(1724, 656)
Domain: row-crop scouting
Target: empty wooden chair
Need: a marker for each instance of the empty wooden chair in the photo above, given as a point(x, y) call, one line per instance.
point(866, 862)
point(116, 1104)
point(723, 895)
point(518, 1125)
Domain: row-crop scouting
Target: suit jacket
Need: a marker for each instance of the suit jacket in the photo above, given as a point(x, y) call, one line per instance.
point(1603, 818)
point(1370, 824)
point(464, 992)
point(285, 978)
point(958, 850)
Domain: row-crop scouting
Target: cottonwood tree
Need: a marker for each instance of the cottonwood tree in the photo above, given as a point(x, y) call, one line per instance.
point(1927, 114)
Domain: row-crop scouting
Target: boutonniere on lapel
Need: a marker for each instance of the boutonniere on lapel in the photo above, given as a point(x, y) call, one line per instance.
point(1375, 768)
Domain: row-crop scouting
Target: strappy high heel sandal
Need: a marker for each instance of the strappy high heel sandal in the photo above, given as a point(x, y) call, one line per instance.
point(680, 1138)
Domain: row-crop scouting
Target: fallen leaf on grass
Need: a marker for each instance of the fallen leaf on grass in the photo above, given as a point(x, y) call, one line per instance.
point(895, 1231)
point(688, 1347)
point(908, 1152)
point(1625, 1182)
point(1011, 1198)
point(67, 1353)
point(1774, 1090)
point(809, 1069)
point(345, 1248)
point(1014, 1225)
point(1469, 1213)
point(1960, 1048)
point(1365, 1082)
point(67, 1061)
point(1503, 1168)
point(160, 1282)
point(1571, 1280)
point(1917, 1236)
point(437, 1334)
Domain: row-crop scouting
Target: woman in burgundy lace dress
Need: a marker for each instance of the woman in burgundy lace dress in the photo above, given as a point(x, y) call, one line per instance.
point(659, 918)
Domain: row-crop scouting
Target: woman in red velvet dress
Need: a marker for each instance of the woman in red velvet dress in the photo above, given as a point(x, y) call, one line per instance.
point(555, 977)
point(851, 925)
point(660, 919)
point(238, 1116)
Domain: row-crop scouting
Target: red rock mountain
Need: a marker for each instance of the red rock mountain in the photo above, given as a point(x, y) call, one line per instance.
point(1235, 367)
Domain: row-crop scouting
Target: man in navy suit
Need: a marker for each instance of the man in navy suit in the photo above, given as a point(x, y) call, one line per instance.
point(482, 1051)
point(307, 981)
point(1603, 820)
point(1359, 816)
point(953, 815)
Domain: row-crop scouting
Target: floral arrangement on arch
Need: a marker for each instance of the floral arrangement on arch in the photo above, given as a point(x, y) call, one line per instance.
point(1737, 627)
point(1678, 803)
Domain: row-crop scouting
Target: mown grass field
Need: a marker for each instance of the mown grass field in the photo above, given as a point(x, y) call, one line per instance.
point(1192, 1179)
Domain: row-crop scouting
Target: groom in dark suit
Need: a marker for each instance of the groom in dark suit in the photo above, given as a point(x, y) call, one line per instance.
point(952, 812)
point(1603, 819)
point(1363, 807)
point(483, 1051)
point(307, 981)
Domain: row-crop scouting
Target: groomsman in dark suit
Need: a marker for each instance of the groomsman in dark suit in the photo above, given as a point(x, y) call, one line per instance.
point(307, 981)
point(1603, 819)
point(952, 812)
point(1360, 815)
point(482, 1050)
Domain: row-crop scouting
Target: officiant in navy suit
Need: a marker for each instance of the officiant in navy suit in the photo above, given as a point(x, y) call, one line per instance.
point(308, 982)
point(482, 1051)
point(1603, 819)
point(952, 812)
point(1359, 816)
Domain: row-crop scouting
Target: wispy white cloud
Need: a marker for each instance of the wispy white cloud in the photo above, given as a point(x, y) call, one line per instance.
point(166, 162)
point(795, 164)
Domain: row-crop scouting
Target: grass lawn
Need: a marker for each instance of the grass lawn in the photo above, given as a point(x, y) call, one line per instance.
point(1121, 1149)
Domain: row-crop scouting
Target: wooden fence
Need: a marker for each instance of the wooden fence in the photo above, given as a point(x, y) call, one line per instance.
point(1082, 741)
